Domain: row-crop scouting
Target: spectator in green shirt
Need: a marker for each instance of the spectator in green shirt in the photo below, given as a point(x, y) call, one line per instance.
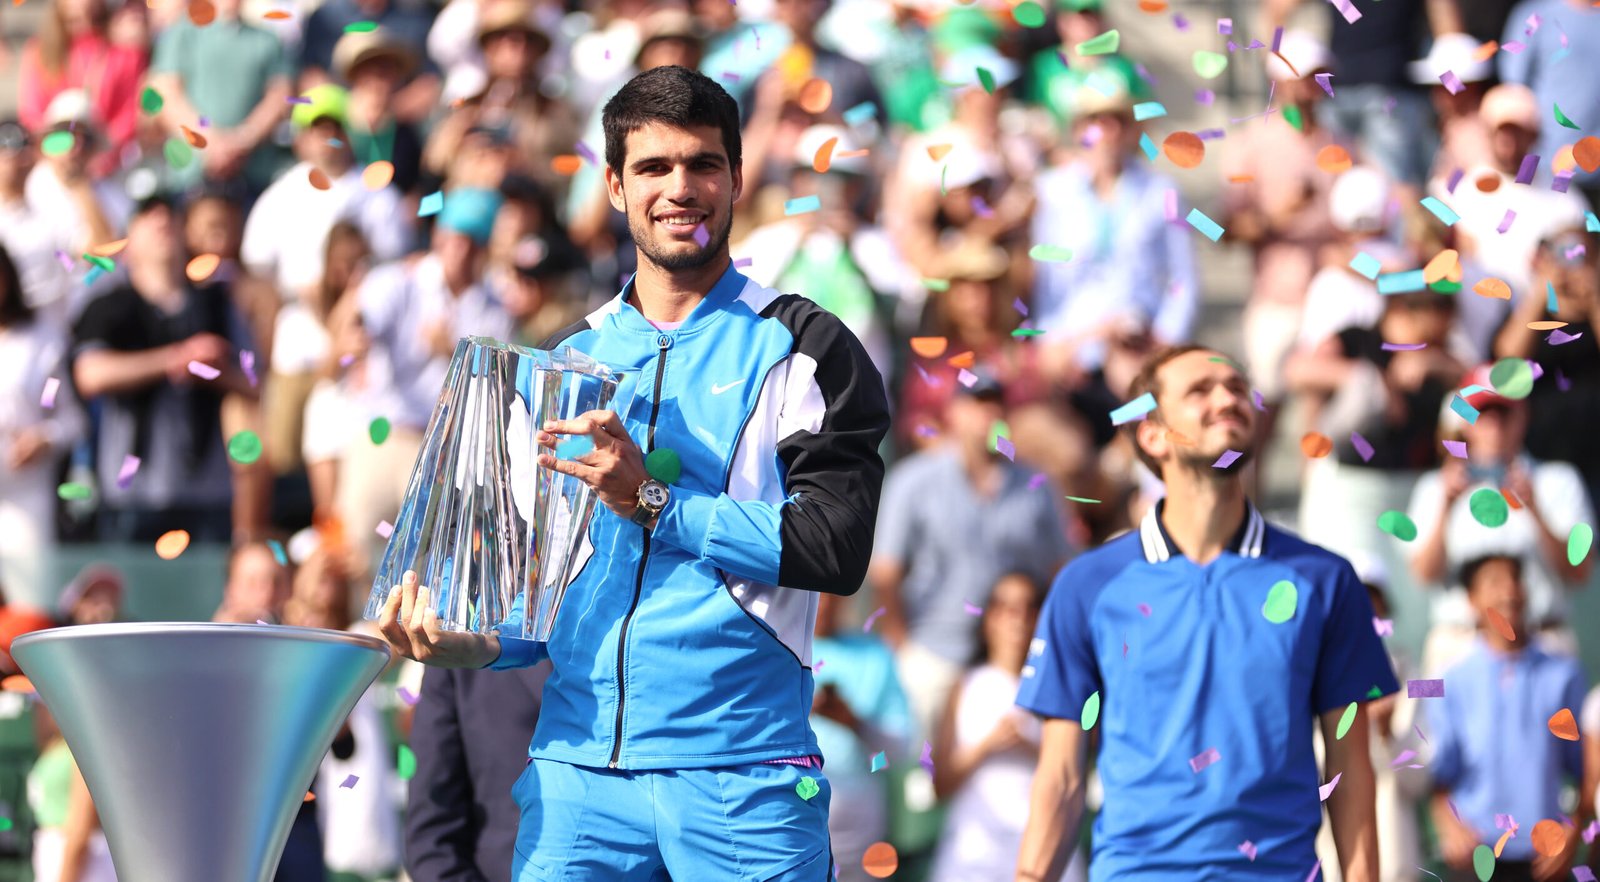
point(1056, 74)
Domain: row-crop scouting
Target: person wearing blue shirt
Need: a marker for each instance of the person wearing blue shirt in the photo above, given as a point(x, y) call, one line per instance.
point(1494, 751)
point(1199, 648)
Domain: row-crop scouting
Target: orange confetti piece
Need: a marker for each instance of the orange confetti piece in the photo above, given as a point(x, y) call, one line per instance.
point(1179, 438)
point(929, 347)
point(377, 175)
point(1587, 153)
point(310, 797)
point(1334, 159)
point(1563, 726)
point(1440, 266)
point(1185, 149)
point(1316, 445)
point(202, 13)
point(1487, 183)
point(16, 683)
point(1499, 846)
point(880, 860)
point(1292, 69)
point(964, 360)
point(1546, 325)
point(851, 154)
point(824, 158)
point(1511, 499)
point(109, 249)
point(1493, 288)
point(1154, 7)
point(277, 15)
point(201, 268)
point(816, 95)
point(1486, 51)
point(195, 139)
point(319, 179)
point(171, 544)
point(1241, 179)
point(937, 152)
point(1549, 837)
point(566, 164)
point(1499, 623)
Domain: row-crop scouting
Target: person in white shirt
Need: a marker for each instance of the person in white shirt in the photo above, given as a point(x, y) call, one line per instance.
point(288, 226)
point(36, 240)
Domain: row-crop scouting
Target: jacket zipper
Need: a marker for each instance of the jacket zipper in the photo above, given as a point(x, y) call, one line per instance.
point(663, 342)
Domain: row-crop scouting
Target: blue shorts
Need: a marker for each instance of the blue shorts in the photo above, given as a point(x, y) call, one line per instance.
point(741, 823)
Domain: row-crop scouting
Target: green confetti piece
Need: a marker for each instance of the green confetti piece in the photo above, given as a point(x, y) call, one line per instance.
point(807, 788)
point(1512, 377)
point(1209, 65)
point(1026, 332)
point(361, 27)
point(150, 101)
point(406, 763)
point(1445, 286)
point(1293, 117)
point(245, 447)
point(1084, 499)
point(1104, 44)
point(1483, 862)
point(1091, 712)
point(57, 143)
point(1281, 602)
point(936, 284)
point(1345, 721)
point(378, 430)
point(1398, 525)
point(879, 761)
point(104, 263)
point(1374, 692)
point(664, 465)
point(944, 173)
point(1488, 507)
point(1578, 543)
point(997, 431)
point(1050, 253)
point(5, 824)
point(986, 80)
point(178, 153)
point(1562, 118)
point(1028, 14)
point(74, 490)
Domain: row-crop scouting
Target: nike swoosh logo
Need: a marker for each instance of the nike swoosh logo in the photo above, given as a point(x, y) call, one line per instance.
point(718, 390)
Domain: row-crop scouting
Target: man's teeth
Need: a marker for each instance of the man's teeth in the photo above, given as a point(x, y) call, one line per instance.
point(680, 222)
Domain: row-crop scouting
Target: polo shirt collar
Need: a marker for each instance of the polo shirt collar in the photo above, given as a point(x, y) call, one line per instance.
point(1159, 547)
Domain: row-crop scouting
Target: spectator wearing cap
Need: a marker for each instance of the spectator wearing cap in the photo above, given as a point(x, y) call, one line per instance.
point(405, 21)
point(1565, 400)
point(453, 45)
point(412, 312)
point(77, 49)
point(1276, 202)
point(1463, 139)
point(1551, 499)
point(287, 229)
point(142, 347)
point(237, 78)
point(1108, 209)
point(376, 65)
point(34, 235)
point(953, 519)
point(1487, 192)
point(1554, 64)
point(63, 184)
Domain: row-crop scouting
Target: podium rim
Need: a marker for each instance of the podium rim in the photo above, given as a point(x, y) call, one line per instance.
point(291, 633)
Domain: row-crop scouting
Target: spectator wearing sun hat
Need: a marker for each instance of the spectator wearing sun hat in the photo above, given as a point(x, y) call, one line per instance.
point(406, 21)
point(375, 65)
point(1057, 73)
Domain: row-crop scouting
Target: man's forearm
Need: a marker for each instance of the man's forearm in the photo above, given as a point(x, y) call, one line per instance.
point(1055, 810)
point(1352, 806)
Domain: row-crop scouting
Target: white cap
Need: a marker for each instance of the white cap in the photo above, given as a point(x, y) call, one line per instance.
point(812, 139)
point(70, 106)
point(1358, 202)
point(967, 165)
point(1307, 53)
point(1452, 52)
point(961, 69)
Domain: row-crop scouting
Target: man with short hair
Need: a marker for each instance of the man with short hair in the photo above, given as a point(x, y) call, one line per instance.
point(674, 738)
point(1201, 645)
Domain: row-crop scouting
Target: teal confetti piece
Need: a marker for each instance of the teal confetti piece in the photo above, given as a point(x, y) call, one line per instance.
point(879, 761)
point(93, 275)
point(278, 554)
point(378, 430)
point(1091, 712)
point(1134, 409)
point(57, 143)
point(430, 205)
point(1550, 304)
point(1398, 524)
point(860, 114)
point(1579, 541)
point(1148, 110)
point(1366, 264)
point(1028, 14)
point(150, 101)
point(1463, 409)
point(1148, 146)
point(1210, 228)
point(802, 205)
point(1591, 222)
point(1345, 721)
point(1402, 283)
point(1026, 332)
point(1441, 211)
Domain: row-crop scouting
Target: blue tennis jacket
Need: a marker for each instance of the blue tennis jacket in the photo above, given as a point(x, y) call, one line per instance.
point(689, 646)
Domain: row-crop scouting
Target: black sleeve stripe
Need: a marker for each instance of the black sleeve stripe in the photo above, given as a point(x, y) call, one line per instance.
point(566, 333)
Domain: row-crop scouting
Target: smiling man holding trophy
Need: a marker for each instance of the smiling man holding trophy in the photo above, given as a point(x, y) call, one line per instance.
point(734, 452)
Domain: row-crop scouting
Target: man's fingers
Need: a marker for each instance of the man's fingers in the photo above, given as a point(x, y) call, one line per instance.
point(419, 612)
point(392, 626)
point(408, 596)
point(587, 474)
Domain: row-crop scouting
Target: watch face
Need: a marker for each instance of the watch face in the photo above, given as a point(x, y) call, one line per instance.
point(655, 495)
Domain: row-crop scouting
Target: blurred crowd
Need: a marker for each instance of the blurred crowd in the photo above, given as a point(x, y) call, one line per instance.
point(240, 238)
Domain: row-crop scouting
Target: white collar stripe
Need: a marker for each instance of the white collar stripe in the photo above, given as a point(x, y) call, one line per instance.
point(1155, 542)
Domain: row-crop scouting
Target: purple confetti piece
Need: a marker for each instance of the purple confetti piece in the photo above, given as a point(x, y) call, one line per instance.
point(1533, 25)
point(205, 122)
point(971, 609)
point(1424, 688)
point(1417, 728)
point(385, 529)
point(247, 363)
point(1020, 307)
point(1316, 869)
point(1228, 458)
point(1562, 181)
point(981, 208)
point(346, 360)
point(262, 622)
point(1277, 39)
point(1144, 608)
point(1363, 446)
point(349, 782)
point(1205, 97)
point(872, 620)
point(1037, 481)
point(407, 697)
point(1171, 207)
point(1255, 398)
point(1505, 222)
point(1224, 26)
point(1457, 449)
point(818, 665)
point(701, 237)
point(1530, 164)
point(1326, 790)
point(1232, 46)
point(743, 262)
point(1558, 337)
point(1452, 83)
point(296, 99)
point(730, 76)
point(1389, 104)
point(1255, 44)
point(1145, 74)
point(1348, 10)
point(1063, 56)
point(1591, 831)
point(1005, 447)
point(1575, 252)
point(966, 378)
point(1562, 382)
point(1209, 757)
point(204, 371)
point(1455, 178)
point(1405, 756)
point(1403, 347)
point(130, 466)
point(65, 259)
point(1383, 627)
point(1583, 874)
point(1325, 81)
point(1248, 849)
point(927, 757)
point(1211, 134)
point(1179, 22)
point(1512, 46)
point(47, 398)
point(587, 154)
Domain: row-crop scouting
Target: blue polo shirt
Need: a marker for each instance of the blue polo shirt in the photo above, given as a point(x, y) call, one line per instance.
point(1206, 706)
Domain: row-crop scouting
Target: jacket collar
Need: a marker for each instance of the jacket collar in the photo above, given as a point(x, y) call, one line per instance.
point(722, 295)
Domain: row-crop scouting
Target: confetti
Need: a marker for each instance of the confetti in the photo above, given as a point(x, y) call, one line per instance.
point(1562, 118)
point(1210, 228)
point(1134, 409)
point(1494, 288)
point(150, 101)
point(880, 860)
point(1315, 445)
point(1451, 82)
point(1463, 409)
point(195, 139)
point(860, 114)
point(47, 398)
point(1404, 757)
point(379, 174)
point(130, 467)
point(816, 95)
point(1209, 757)
point(872, 620)
point(201, 267)
point(245, 447)
point(1084, 500)
point(177, 153)
point(1050, 253)
point(664, 465)
point(361, 27)
point(1525, 171)
point(385, 529)
point(1424, 688)
point(278, 554)
point(247, 363)
point(1185, 150)
point(171, 544)
point(1326, 790)
point(430, 204)
point(927, 757)
point(1563, 725)
point(1345, 722)
point(1505, 222)
point(1104, 44)
point(1579, 541)
point(1383, 627)
point(406, 763)
point(1281, 602)
point(1366, 265)
point(1440, 210)
point(349, 782)
point(879, 761)
point(1442, 265)
point(1586, 153)
point(1512, 377)
point(1401, 283)
point(1488, 507)
point(1334, 159)
point(407, 697)
point(1228, 458)
point(1499, 623)
point(1483, 862)
point(1404, 347)
point(74, 490)
point(16, 683)
point(1248, 849)
point(1363, 446)
point(1148, 110)
point(57, 143)
point(1457, 449)
point(204, 371)
point(802, 205)
point(1549, 837)
point(1209, 65)
point(1091, 712)
point(1028, 14)
point(1398, 525)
